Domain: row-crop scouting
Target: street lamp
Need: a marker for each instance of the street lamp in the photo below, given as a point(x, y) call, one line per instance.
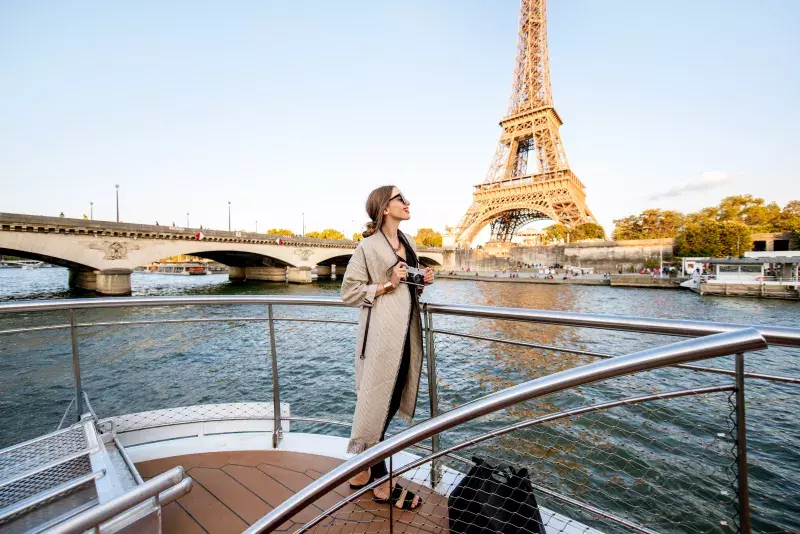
point(187, 219)
point(229, 215)
point(304, 224)
point(91, 211)
point(256, 226)
point(117, 188)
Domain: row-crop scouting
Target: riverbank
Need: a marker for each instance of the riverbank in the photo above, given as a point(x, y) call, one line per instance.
point(616, 280)
point(525, 278)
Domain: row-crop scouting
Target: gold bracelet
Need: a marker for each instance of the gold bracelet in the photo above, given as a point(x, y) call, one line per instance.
point(388, 287)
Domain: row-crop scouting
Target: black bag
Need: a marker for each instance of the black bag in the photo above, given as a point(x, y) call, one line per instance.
point(494, 499)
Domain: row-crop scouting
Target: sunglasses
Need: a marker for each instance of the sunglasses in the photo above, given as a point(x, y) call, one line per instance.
point(403, 199)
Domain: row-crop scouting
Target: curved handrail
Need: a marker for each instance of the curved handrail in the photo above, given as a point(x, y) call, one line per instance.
point(103, 512)
point(774, 335)
point(743, 340)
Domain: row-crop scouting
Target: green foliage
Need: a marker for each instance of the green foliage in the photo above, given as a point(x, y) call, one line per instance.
point(328, 233)
point(650, 224)
point(651, 263)
point(754, 212)
point(790, 218)
point(708, 237)
point(280, 231)
point(556, 233)
point(426, 237)
point(587, 231)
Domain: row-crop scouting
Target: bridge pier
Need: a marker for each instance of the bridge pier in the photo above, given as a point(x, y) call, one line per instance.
point(237, 273)
point(105, 282)
point(83, 279)
point(113, 282)
point(335, 271)
point(268, 274)
point(300, 275)
point(323, 272)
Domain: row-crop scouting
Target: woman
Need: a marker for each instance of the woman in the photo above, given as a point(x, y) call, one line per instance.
point(389, 343)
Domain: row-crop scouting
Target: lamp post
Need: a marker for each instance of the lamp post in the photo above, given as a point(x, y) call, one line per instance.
point(229, 215)
point(304, 224)
point(91, 211)
point(256, 226)
point(187, 219)
point(117, 188)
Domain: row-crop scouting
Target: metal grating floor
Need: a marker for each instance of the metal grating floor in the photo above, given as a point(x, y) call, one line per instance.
point(23, 458)
point(32, 468)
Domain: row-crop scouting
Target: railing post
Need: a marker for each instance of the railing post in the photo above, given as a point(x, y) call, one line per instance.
point(76, 366)
point(433, 391)
point(741, 448)
point(277, 430)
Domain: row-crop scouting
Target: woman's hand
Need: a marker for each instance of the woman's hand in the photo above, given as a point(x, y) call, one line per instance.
point(399, 273)
point(428, 275)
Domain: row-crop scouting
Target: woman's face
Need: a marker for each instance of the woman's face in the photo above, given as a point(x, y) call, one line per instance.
point(398, 207)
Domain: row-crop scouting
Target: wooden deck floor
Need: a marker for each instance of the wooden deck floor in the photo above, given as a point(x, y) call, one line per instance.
point(234, 489)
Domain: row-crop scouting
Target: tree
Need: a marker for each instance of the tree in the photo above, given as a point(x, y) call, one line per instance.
point(280, 231)
point(754, 212)
point(328, 233)
point(650, 224)
point(358, 236)
point(587, 231)
point(556, 233)
point(426, 237)
point(627, 228)
point(702, 236)
point(790, 217)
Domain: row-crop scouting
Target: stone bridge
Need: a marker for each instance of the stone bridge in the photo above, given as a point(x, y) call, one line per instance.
point(101, 255)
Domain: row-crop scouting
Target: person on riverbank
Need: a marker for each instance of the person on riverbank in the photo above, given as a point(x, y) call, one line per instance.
point(389, 342)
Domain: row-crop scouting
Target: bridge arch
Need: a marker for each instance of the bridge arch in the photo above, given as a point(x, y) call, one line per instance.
point(70, 263)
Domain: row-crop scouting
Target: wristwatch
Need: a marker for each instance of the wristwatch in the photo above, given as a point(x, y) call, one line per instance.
point(388, 287)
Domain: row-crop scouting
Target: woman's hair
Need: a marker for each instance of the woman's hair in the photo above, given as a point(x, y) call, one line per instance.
point(376, 203)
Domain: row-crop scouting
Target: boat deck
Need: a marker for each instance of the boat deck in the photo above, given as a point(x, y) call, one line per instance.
point(234, 489)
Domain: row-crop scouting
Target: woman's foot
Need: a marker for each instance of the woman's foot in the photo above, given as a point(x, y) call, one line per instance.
point(400, 497)
point(361, 479)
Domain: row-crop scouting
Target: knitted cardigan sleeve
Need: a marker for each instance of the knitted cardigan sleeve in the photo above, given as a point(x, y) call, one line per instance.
point(356, 287)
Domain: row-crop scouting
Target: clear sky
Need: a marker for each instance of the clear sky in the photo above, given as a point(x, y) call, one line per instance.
point(291, 107)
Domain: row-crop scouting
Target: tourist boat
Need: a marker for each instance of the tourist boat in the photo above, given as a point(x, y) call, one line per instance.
point(186, 268)
point(757, 274)
point(639, 437)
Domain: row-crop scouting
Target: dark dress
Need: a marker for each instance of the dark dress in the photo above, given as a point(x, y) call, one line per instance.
point(380, 470)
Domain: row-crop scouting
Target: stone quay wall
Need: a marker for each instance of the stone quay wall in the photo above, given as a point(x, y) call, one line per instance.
point(602, 256)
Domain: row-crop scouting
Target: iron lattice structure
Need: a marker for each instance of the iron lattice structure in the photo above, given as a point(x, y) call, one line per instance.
point(514, 193)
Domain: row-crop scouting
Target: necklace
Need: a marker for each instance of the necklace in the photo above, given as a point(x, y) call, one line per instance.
point(399, 243)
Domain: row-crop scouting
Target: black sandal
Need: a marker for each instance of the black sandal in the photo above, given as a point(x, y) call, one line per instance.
point(370, 481)
point(403, 496)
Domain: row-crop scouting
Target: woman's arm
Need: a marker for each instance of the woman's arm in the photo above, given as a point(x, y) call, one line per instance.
point(356, 289)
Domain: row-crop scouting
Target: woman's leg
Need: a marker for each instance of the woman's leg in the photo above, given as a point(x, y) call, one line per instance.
point(380, 470)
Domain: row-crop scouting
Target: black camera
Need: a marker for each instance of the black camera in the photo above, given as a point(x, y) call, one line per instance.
point(415, 277)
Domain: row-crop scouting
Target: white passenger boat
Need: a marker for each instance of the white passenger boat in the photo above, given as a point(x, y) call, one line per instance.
point(184, 268)
point(601, 455)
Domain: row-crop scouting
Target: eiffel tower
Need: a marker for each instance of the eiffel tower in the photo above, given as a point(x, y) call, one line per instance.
point(529, 178)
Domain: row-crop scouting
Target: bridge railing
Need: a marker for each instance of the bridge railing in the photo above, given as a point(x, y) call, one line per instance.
point(140, 355)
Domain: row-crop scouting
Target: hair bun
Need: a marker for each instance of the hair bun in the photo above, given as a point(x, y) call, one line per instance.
point(369, 229)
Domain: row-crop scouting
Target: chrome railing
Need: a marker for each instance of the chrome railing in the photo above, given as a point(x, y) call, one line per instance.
point(435, 336)
point(740, 341)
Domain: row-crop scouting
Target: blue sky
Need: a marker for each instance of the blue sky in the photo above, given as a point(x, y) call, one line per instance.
point(291, 107)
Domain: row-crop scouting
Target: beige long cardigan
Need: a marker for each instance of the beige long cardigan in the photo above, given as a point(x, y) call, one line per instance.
point(388, 315)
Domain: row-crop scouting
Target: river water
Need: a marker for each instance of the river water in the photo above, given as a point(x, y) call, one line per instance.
point(664, 463)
